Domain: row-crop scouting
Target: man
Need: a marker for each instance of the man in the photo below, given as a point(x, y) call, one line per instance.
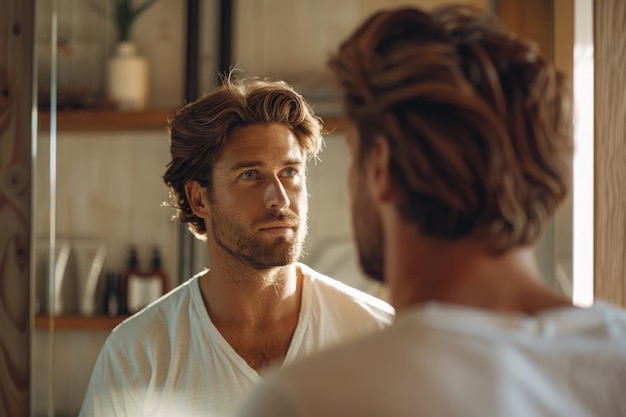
point(461, 153)
point(238, 176)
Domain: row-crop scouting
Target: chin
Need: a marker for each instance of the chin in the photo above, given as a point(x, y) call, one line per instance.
point(278, 255)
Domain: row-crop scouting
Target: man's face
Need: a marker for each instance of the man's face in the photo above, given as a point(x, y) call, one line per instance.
point(365, 218)
point(258, 204)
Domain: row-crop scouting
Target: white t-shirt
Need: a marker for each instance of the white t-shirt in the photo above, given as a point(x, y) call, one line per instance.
point(170, 360)
point(442, 360)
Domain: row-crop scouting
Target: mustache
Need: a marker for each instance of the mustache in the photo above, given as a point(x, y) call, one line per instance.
point(281, 216)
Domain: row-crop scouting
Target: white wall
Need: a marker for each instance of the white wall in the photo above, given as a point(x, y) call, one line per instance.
point(293, 39)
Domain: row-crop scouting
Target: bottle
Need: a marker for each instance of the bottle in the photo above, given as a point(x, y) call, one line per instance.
point(157, 269)
point(145, 288)
point(132, 271)
point(112, 302)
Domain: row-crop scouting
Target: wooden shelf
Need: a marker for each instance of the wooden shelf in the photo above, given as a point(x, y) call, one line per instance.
point(76, 322)
point(106, 120)
point(155, 119)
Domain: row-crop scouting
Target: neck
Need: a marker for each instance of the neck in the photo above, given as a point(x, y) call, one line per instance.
point(463, 272)
point(240, 296)
point(256, 311)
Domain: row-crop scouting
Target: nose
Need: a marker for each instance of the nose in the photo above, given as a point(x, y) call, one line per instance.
point(275, 196)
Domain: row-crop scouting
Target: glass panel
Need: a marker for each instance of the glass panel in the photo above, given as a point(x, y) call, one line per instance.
point(97, 184)
point(44, 244)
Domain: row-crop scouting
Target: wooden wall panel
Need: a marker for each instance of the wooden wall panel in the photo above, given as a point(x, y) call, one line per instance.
point(16, 23)
point(610, 150)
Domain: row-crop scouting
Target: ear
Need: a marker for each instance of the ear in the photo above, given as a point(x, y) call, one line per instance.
point(379, 176)
point(196, 196)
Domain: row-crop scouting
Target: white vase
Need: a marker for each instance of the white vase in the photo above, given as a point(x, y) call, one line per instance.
point(127, 78)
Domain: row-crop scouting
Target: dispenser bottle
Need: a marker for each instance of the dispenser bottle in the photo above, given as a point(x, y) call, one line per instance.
point(145, 288)
point(112, 299)
point(132, 272)
point(157, 270)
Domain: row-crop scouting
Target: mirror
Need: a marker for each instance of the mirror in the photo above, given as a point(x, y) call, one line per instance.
point(97, 170)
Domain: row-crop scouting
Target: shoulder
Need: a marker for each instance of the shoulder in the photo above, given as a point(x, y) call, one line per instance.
point(156, 324)
point(333, 294)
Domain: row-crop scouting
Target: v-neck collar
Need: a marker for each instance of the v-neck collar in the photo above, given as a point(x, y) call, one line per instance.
point(219, 342)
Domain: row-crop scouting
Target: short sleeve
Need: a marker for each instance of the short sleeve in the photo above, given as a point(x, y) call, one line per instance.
point(106, 394)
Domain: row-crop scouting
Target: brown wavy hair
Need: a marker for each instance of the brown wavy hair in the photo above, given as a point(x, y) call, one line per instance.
point(478, 123)
point(200, 130)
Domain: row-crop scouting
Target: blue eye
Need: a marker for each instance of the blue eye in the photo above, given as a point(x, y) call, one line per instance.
point(248, 175)
point(290, 172)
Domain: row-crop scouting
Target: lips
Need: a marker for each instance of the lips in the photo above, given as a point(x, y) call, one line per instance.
point(278, 226)
point(277, 222)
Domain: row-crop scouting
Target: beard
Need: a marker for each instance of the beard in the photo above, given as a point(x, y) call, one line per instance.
point(368, 233)
point(251, 249)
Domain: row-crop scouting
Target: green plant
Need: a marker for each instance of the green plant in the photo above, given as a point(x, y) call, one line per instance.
point(124, 15)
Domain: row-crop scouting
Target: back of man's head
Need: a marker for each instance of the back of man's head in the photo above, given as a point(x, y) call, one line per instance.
point(479, 124)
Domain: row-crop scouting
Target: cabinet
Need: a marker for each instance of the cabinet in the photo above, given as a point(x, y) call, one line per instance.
point(107, 190)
